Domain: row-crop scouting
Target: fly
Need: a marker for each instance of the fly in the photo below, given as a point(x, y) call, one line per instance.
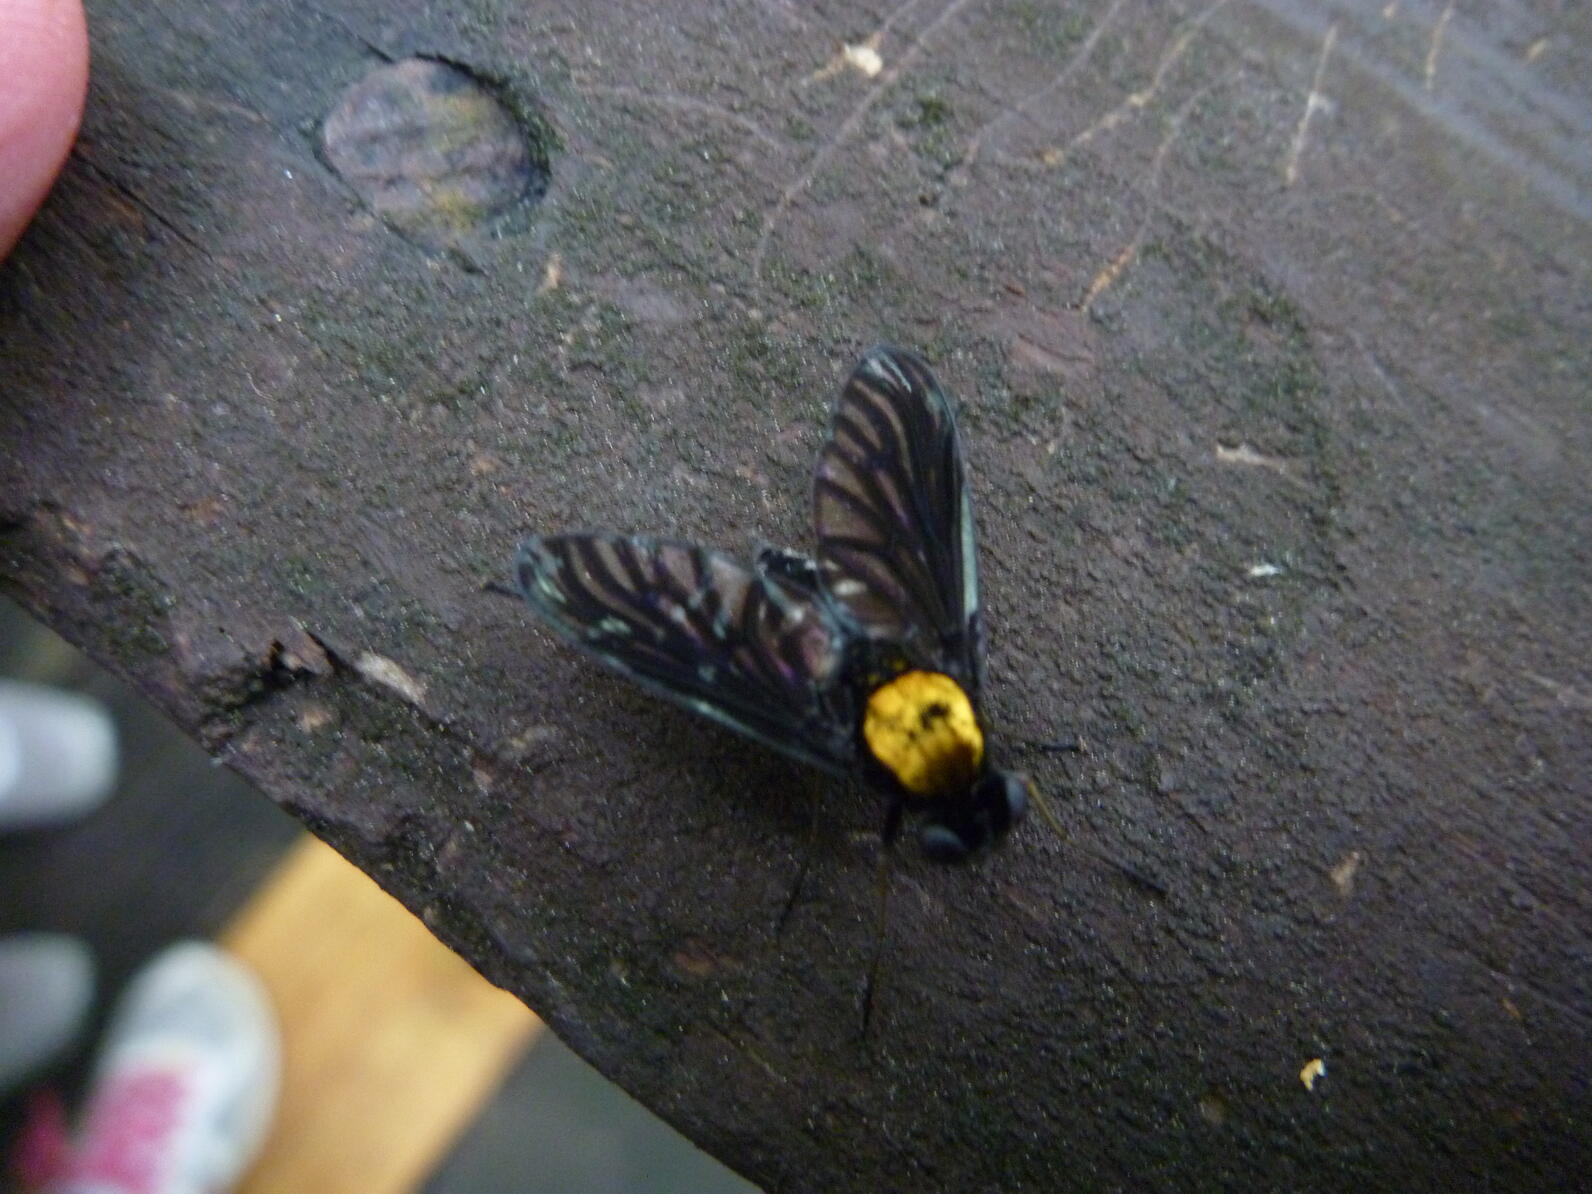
point(864, 659)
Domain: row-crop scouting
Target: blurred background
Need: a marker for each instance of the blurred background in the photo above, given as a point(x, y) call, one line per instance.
point(402, 1069)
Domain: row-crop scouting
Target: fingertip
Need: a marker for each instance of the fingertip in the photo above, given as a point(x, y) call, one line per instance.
point(44, 62)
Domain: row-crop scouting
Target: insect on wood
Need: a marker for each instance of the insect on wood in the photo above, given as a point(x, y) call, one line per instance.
point(865, 659)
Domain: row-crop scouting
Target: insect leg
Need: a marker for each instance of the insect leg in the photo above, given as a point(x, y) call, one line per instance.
point(892, 830)
point(807, 855)
point(501, 590)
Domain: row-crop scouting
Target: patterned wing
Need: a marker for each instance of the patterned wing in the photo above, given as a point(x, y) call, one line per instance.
point(746, 649)
point(895, 527)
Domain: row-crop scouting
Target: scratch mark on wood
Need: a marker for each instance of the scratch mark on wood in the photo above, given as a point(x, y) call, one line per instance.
point(1111, 272)
point(315, 717)
point(1244, 454)
point(1563, 694)
point(146, 211)
point(332, 18)
point(1313, 101)
point(1343, 874)
point(1382, 375)
point(1139, 100)
point(795, 18)
point(1512, 1010)
point(1436, 47)
point(378, 669)
point(1486, 864)
point(1079, 57)
point(195, 102)
point(863, 57)
point(684, 103)
point(1151, 184)
point(844, 133)
point(552, 275)
point(896, 14)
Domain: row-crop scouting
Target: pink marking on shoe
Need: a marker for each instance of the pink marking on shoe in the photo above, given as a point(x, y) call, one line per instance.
point(128, 1140)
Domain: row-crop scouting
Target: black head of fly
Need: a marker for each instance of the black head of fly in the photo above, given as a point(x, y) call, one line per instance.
point(962, 828)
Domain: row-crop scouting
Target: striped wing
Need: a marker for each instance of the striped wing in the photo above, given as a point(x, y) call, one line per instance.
point(744, 648)
point(895, 526)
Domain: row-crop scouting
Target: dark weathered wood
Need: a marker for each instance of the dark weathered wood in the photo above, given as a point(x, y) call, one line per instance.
point(1270, 326)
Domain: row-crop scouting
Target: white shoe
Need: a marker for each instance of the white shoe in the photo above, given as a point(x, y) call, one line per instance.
point(46, 988)
point(57, 755)
point(186, 1082)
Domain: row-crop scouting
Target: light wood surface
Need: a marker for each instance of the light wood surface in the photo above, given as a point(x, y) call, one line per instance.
point(391, 1042)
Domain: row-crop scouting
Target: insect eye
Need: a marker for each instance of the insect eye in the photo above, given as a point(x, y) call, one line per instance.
point(1015, 793)
point(1002, 800)
point(941, 843)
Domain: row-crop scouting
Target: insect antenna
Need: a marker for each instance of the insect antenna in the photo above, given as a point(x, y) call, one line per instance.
point(1132, 874)
point(1076, 745)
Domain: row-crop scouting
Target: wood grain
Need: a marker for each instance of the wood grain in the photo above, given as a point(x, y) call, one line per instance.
point(1272, 343)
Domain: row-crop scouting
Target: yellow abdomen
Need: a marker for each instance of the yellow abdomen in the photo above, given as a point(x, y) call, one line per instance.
point(921, 728)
